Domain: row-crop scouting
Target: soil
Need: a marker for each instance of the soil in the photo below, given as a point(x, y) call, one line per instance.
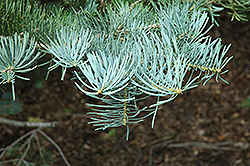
point(204, 126)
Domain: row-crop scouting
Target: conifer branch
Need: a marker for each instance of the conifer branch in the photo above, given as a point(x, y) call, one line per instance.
point(120, 55)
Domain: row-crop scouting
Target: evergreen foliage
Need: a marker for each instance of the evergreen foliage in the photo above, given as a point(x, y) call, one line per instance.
point(121, 53)
point(237, 8)
point(16, 57)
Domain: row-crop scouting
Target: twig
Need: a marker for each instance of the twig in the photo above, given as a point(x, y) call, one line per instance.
point(57, 147)
point(28, 147)
point(15, 142)
point(223, 146)
point(160, 140)
point(25, 162)
point(9, 161)
point(39, 148)
point(27, 141)
point(32, 134)
point(203, 145)
point(133, 4)
point(27, 124)
point(162, 144)
point(156, 25)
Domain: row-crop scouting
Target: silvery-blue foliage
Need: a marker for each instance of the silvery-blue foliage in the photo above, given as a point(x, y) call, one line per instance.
point(17, 55)
point(126, 54)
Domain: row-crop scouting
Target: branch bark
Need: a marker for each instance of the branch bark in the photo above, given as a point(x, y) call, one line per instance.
point(27, 124)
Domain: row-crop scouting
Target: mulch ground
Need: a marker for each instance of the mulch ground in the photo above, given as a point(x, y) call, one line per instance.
point(205, 126)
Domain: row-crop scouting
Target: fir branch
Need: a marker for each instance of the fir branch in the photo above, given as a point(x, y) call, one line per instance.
point(237, 8)
point(69, 48)
point(17, 56)
point(124, 53)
